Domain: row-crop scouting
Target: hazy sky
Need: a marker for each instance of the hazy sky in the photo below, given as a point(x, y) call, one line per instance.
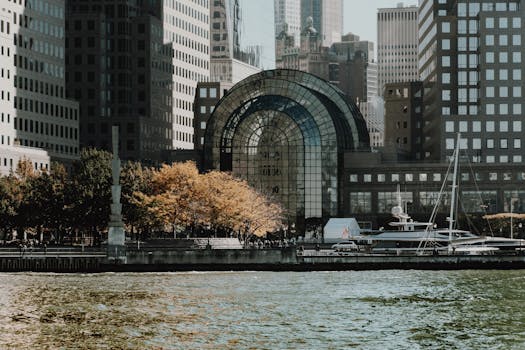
point(359, 18)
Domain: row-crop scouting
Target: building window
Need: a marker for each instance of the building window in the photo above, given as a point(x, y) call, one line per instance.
point(503, 22)
point(503, 40)
point(489, 91)
point(489, 40)
point(489, 74)
point(516, 126)
point(203, 92)
point(490, 143)
point(516, 109)
point(476, 143)
point(516, 74)
point(503, 144)
point(445, 27)
point(489, 108)
point(360, 202)
point(516, 40)
point(449, 126)
point(381, 177)
point(489, 22)
point(353, 178)
point(436, 177)
point(423, 177)
point(516, 57)
point(489, 57)
point(517, 159)
point(395, 177)
point(367, 178)
point(516, 22)
point(504, 126)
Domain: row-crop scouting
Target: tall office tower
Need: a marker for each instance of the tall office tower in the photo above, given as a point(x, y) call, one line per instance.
point(471, 66)
point(397, 45)
point(327, 16)
point(121, 73)
point(288, 18)
point(187, 28)
point(37, 122)
point(229, 63)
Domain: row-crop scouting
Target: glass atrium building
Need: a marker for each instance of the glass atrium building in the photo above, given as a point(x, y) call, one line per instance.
point(286, 132)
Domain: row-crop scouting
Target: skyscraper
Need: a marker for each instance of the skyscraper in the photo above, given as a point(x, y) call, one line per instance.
point(471, 66)
point(229, 62)
point(187, 28)
point(397, 45)
point(288, 13)
point(327, 18)
point(36, 120)
point(136, 64)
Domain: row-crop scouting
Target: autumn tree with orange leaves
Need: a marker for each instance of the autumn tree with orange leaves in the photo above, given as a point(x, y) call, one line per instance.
point(180, 196)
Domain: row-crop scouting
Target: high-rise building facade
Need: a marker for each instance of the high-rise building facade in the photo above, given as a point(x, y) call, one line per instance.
point(287, 16)
point(136, 65)
point(397, 45)
point(187, 28)
point(229, 63)
point(37, 122)
point(327, 18)
point(470, 61)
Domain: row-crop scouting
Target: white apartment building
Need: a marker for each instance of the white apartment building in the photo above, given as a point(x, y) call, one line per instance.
point(187, 27)
point(37, 122)
point(397, 45)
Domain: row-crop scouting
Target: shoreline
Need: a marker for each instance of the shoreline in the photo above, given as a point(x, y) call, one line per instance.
point(278, 260)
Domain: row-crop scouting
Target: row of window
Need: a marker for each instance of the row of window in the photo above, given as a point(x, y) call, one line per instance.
point(65, 149)
point(49, 129)
point(34, 85)
point(39, 46)
point(50, 109)
point(434, 177)
point(53, 70)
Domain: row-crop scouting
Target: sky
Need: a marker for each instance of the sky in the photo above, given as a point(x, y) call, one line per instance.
point(359, 18)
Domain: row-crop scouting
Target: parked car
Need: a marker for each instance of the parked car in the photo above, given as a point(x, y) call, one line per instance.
point(347, 246)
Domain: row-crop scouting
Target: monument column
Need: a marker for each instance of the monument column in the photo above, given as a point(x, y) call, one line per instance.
point(116, 235)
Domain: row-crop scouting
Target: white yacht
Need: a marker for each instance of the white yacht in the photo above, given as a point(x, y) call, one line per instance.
point(424, 237)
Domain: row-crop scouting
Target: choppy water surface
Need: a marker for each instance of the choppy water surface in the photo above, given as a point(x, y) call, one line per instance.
point(254, 310)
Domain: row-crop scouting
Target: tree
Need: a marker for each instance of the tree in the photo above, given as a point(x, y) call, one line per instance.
point(136, 179)
point(10, 199)
point(90, 190)
point(173, 189)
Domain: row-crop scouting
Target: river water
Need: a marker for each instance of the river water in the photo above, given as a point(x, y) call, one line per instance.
point(264, 310)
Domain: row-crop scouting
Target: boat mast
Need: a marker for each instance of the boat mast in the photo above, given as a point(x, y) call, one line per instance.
point(454, 188)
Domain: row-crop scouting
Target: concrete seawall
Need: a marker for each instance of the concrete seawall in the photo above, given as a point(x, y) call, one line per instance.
point(252, 260)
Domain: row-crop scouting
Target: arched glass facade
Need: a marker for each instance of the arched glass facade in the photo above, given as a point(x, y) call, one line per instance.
point(285, 132)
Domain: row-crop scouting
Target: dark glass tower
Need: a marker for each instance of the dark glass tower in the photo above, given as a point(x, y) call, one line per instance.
point(120, 71)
